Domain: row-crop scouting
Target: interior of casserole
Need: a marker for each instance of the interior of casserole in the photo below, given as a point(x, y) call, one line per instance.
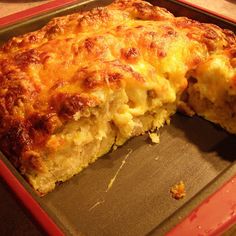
point(82, 142)
point(211, 91)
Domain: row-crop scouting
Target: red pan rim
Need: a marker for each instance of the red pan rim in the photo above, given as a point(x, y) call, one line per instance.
point(213, 216)
point(46, 222)
point(230, 19)
point(25, 14)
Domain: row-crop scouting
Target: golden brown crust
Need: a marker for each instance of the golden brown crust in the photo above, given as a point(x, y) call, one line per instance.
point(49, 75)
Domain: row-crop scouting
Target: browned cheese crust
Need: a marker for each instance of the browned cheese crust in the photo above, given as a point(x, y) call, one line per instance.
point(75, 67)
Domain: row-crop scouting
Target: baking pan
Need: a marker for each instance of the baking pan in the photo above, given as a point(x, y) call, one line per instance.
point(182, 8)
point(221, 15)
point(126, 192)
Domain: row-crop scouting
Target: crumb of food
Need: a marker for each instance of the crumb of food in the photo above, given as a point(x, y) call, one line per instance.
point(178, 191)
point(154, 137)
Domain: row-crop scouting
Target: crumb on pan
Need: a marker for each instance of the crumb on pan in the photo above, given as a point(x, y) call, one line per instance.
point(155, 137)
point(178, 191)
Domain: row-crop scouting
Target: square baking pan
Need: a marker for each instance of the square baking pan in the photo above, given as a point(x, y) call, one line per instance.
point(127, 191)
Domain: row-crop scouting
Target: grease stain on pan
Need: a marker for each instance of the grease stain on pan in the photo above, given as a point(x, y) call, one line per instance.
point(113, 179)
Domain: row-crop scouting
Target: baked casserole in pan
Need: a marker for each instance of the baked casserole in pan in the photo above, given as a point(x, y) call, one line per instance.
point(89, 81)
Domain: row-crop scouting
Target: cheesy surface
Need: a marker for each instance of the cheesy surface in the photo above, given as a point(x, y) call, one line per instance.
point(91, 80)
